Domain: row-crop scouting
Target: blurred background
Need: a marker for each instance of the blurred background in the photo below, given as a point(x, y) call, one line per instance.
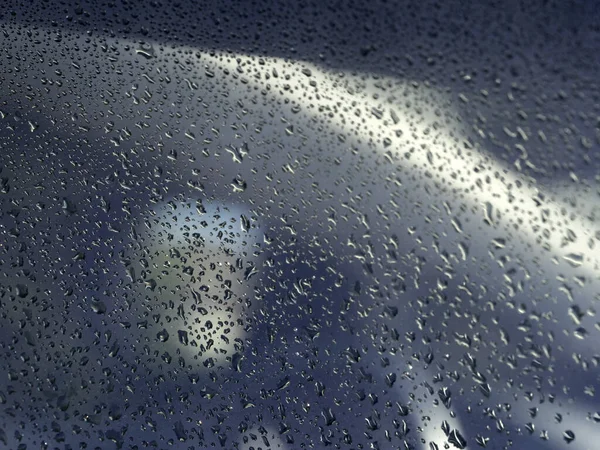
point(299, 226)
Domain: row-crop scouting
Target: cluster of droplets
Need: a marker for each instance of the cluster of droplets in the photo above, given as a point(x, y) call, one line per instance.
point(322, 243)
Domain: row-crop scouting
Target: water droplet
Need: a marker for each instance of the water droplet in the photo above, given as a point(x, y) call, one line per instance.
point(163, 335)
point(569, 436)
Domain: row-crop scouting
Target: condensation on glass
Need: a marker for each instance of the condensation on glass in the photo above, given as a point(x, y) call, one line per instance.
point(302, 226)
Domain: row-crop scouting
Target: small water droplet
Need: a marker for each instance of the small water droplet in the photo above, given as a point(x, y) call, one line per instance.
point(163, 335)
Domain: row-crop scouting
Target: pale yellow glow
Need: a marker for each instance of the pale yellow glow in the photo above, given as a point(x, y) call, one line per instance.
point(193, 257)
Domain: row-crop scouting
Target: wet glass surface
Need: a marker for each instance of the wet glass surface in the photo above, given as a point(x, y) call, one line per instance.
point(310, 225)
